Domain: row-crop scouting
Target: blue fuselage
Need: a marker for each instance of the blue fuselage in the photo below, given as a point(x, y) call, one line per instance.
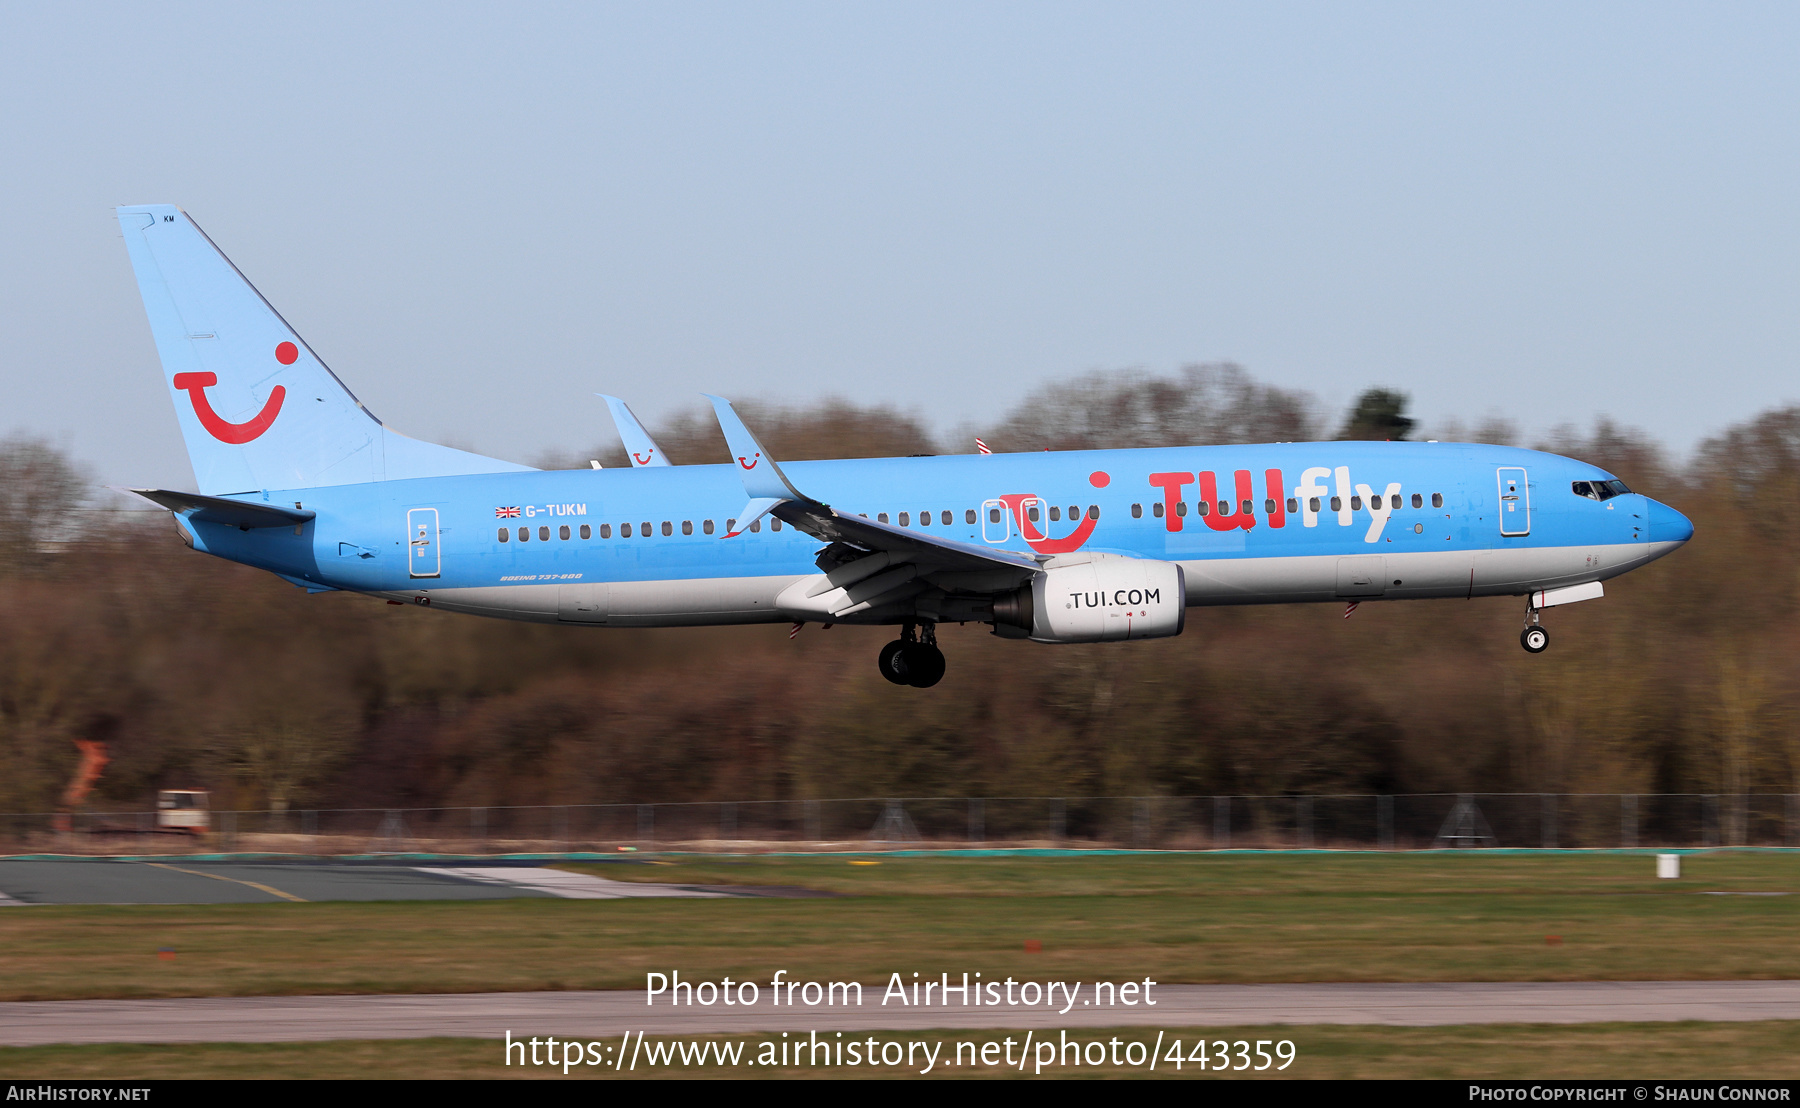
point(1249, 524)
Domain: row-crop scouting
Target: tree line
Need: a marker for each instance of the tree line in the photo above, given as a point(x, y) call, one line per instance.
point(196, 672)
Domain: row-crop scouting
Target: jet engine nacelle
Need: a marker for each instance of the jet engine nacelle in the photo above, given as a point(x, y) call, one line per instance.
point(1096, 598)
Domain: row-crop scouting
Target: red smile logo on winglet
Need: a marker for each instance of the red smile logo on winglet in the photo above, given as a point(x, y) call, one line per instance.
point(751, 464)
point(237, 434)
point(643, 459)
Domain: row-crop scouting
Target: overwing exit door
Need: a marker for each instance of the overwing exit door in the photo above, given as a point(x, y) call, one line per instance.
point(1515, 501)
point(422, 559)
point(996, 521)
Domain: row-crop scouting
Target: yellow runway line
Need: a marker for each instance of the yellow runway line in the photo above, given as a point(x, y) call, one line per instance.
point(236, 880)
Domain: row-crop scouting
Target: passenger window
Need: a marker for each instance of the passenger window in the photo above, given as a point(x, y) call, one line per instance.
point(946, 518)
point(993, 515)
point(1181, 507)
point(524, 534)
point(1375, 503)
point(1437, 500)
point(1156, 510)
point(606, 530)
point(645, 529)
point(1055, 514)
point(563, 532)
point(1313, 505)
point(925, 518)
point(1268, 507)
point(969, 517)
point(706, 526)
point(543, 534)
point(624, 530)
point(1093, 511)
point(1293, 505)
point(1137, 511)
point(1224, 508)
point(1203, 507)
point(774, 524)
point(1418, 501)
point(687, 526)
point(1247, 507)
point(906, 519)
point(586, 531)
point(881, 517)
point(505, 534)
point(1356, 503)
point(1337, 503)
point(730, 524)
point(668, 528)
point(755, 527)
point(1031, 513)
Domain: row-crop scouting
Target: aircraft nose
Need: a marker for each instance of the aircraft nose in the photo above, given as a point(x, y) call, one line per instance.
point(1667, 524)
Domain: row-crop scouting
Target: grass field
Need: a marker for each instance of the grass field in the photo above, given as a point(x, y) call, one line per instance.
point(1178, 918)
point(1670, 1051)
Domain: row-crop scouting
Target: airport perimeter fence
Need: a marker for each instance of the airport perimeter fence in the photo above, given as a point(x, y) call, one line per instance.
point(1383, 822)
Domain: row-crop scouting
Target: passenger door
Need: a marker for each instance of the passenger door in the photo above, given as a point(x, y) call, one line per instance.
point(1515, 501)
point(422, 547)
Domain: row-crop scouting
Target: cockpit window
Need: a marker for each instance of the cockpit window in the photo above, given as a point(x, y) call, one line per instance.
point(1599, 490)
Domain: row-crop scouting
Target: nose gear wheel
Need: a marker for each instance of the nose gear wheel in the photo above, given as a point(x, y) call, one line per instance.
point(1534, 638)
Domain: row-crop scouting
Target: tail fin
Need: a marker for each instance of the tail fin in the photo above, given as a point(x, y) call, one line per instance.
point(257, 407)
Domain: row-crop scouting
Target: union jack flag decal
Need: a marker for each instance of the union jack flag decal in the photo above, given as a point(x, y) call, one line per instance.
point(506, 513)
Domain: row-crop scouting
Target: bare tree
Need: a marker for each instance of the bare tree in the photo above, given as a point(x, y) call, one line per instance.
point(1199, 406)
point(42, 494)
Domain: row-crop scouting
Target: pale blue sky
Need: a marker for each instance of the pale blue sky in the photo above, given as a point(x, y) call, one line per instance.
point(481, 215)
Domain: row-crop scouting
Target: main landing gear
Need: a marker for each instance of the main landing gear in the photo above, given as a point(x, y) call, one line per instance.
point(1534, 638)
point(913, 658)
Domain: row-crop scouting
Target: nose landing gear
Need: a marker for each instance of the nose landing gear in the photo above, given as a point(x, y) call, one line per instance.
point(913, 658)
point(1534, 638)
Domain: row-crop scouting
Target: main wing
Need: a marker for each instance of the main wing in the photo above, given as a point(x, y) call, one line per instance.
point(866, 565)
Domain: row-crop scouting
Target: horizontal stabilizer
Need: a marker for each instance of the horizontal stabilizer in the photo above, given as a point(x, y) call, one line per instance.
point(217, 509)
point(638, 443)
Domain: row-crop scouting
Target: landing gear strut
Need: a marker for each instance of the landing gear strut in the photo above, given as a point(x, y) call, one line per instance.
point(913, 658)
point(1534, 638)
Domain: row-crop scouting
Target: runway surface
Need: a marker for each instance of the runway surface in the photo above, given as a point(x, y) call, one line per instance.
point(599, 1015)
point(178, 881)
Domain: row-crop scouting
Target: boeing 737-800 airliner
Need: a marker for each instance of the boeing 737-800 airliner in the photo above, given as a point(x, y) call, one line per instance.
point(296, 477)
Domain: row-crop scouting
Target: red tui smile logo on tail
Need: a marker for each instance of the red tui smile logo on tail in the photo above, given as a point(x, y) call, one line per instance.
point(237, 434)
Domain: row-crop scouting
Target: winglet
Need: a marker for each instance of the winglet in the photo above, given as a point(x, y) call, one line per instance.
point(753, 511)
point(763, 479)
point(638, 443)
